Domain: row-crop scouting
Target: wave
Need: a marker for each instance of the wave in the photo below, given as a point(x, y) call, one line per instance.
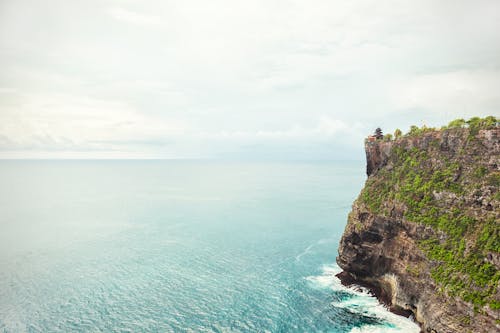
point(360, 302)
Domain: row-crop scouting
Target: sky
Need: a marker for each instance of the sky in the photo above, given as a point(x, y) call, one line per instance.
point(231, 79)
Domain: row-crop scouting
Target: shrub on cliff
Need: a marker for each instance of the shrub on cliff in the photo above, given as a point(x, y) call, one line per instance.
point(475, 124)
point(457, 123)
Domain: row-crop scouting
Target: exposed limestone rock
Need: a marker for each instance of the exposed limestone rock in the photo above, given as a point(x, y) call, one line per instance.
point(382, 249)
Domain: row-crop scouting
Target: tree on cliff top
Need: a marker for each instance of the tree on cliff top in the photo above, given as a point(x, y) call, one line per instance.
point(457, 123)
point(378, 133)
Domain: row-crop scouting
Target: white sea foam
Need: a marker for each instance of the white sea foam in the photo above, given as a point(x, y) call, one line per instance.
point(362, 302)
point(306, 251)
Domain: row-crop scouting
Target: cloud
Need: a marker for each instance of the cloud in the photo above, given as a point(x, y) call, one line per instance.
point(63, 122)
point(196, 78)
point(325, 129)
point(7, 90)
point(470, 92)
point(129, 16)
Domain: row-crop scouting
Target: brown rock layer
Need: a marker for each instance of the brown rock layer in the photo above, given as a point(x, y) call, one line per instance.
point(382, 249)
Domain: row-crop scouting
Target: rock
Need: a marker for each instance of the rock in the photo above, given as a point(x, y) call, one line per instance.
point(381, 249)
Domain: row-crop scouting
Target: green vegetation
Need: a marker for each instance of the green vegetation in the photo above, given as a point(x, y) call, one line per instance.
point(481, 171)
point(415, 130)
point(438, 194)
point(466, 320)
point(413, 270)
point(457, 123)
point(475, 124)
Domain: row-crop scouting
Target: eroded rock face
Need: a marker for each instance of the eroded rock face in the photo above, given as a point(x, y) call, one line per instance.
point(383, 253)
point(377, 154)
point(381, 250)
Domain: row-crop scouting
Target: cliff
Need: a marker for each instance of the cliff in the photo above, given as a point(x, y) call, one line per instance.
point(424, 233)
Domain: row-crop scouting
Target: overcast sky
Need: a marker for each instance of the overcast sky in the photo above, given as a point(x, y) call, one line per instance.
point(283, 79)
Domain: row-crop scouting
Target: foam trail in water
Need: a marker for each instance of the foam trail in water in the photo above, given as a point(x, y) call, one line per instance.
point(306, 251)
point(362, 302)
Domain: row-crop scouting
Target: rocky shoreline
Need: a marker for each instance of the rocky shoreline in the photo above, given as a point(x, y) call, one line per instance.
point(381, 294)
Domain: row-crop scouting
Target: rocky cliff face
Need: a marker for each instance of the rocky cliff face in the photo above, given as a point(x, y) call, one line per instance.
point(424, 232)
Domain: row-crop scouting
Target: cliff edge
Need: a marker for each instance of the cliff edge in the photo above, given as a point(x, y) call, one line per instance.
point(424, 233)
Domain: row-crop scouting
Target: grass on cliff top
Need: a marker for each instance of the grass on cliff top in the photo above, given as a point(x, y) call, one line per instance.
point(474, 124)
point(436, 189)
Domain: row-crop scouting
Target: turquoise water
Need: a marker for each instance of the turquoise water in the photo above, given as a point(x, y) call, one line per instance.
point(162, 246)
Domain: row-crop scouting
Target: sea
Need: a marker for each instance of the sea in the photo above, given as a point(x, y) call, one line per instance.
point(180, 246)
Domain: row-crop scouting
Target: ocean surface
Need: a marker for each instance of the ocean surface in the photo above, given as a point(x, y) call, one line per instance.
point(179, 246)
